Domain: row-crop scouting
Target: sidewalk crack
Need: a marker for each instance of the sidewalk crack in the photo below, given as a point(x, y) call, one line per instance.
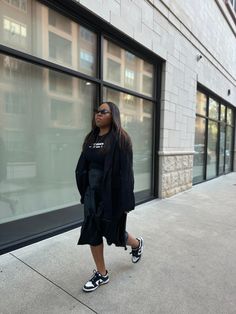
point(56, 285)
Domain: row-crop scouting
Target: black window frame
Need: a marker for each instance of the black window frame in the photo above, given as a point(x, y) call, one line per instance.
point(209, 94)
point(19, 233)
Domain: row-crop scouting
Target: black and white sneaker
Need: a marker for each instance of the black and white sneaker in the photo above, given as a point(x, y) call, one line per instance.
point(137, 252)
point(96, 281)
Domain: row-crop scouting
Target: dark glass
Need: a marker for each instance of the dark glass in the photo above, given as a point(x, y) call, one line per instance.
point(199, 150)
point(229, 149)
point(212, 149)
point(222, 149)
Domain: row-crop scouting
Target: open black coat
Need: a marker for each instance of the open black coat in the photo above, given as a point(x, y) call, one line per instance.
point(117, 184)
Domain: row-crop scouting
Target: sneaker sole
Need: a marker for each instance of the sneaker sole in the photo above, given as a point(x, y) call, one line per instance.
point(92, 289)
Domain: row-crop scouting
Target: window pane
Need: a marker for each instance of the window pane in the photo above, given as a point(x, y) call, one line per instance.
point(58, 21)
point(46, 117)
point(222, 149)
point(199, 150)
point(212, 149)
point(201, 103)
point(213, 109)
point(229, 149)
point(18, 4)
point(125, 69)
point(136, 115)
point(229, 116)
point(49, 35)
point(222, 113)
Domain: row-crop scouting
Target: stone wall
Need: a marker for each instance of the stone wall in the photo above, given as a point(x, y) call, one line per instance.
point(179, 31)
point(175, 170)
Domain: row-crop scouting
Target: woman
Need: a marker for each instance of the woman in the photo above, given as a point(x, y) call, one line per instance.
point(105, 180)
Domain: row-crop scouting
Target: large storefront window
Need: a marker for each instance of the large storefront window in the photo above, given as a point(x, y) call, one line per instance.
point(44, 33)
point(50, 83)
point(214, 126)
point(39, 134)
point(124, 69)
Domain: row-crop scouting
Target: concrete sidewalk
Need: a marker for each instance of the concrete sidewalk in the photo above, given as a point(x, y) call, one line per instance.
point(188, 266)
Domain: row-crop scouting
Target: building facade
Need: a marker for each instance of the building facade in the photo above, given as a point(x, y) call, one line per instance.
point(169, 65)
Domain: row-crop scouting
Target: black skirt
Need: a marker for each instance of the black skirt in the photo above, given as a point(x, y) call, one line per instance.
point(95, 227)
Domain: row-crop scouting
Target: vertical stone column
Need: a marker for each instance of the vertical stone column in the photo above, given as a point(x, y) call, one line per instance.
point(175, 172)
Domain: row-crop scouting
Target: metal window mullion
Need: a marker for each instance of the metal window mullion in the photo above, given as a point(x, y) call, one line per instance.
point(44, 63)
point(156, 129)
point(206, 139)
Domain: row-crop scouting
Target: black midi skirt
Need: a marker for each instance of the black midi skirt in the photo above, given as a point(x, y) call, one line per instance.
point(95, 227)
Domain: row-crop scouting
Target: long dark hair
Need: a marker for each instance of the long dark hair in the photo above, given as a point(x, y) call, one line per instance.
point(116, 130)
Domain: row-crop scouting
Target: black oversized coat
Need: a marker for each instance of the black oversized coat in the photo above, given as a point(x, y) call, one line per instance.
point(117, 185)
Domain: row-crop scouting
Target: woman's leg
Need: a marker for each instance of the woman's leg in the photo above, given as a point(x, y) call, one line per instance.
point(97, 252)
point(133, 242)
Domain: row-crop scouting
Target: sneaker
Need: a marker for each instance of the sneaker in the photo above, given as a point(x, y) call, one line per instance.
point(96, 281)
point(137, 252)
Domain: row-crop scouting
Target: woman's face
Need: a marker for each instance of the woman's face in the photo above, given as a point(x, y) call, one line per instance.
point(103, 118)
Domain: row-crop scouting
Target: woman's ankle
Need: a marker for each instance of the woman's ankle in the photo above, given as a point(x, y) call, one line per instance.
point(102, 272)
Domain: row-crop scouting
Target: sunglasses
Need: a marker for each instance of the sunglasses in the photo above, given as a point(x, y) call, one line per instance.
point(102, 111)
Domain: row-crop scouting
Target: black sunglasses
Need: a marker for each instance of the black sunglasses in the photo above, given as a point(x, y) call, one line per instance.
point(102, 111)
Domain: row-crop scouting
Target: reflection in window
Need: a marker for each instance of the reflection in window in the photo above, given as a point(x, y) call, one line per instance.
point(59, 21)
point(130, 58)
point(131, 71)
point(222, 148)
point(113, 69)
point(212, 149)
point(213, 109)
point(86, 34)
point(17, 147)
point(129, 78)
point(222, 113)
point(147, 84)
point(229, 116)
point(62, 112)
point(229, 149)
point(201, 103)
point(49, 35)
point(59, 48)
point(113, 49)
point(60, 83)
point(14, 103)
point(86, 60)
point(19, 4)
point(136, 115)
point(42, 138)
point(14, 32)
point(199, 150)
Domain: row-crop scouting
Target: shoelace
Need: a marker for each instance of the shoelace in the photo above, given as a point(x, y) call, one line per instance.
point(95, 276)
point(135, 250)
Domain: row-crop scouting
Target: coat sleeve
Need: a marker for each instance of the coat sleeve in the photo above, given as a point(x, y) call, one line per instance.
point(127, 179)
point(81, 175)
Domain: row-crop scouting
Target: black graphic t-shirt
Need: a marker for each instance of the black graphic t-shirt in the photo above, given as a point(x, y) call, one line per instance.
point(95, 154)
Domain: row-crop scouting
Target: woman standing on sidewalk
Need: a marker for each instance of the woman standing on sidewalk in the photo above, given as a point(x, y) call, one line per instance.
point(104, 176)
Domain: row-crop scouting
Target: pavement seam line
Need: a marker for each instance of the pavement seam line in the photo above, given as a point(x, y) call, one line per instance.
point(53, 282)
